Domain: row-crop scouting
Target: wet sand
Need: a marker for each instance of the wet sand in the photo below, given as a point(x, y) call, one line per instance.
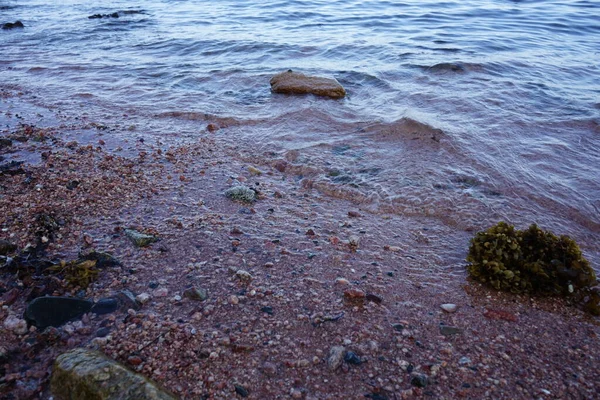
point(269, 336)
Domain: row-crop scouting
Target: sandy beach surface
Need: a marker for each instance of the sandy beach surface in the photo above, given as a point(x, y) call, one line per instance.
point(308, 297)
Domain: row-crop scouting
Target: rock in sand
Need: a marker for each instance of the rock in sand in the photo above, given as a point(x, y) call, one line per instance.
point(88, 374)
point(55, 311)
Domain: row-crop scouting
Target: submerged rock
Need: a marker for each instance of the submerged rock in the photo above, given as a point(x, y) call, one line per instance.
point(11, 25)
point(140, 239)
point(55, 311)
point(88, 374)
point(290, 82)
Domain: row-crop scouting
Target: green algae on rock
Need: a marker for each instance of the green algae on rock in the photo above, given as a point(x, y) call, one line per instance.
point(241, 193)
point(88, 374)
point(532, 261)
point(140, 239)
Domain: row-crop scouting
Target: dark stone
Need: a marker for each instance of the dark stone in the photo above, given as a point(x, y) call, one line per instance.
point(55, 311)
point(12, 168)
point(103, 260)
point(267, 309)
point(105, 306)
point(72, 184)
point(448, 330)
point(10, 25)
point(6, 247)
point(127, 300)
point(153, 285)
point(352, 358)
point(11, 296)
point(102, 332)
point(398, 327)
point(419, 380)
point(242, 391)
point(374, 298)
point(5, 143)
point(195, 293)
point(98, 16)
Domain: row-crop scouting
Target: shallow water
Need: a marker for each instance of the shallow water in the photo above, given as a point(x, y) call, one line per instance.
point(468, 112)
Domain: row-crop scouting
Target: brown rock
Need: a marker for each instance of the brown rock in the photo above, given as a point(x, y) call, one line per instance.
point(290, 82)
point(354, 294)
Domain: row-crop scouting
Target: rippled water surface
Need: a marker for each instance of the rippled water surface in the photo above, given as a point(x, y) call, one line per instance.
point(468, 111)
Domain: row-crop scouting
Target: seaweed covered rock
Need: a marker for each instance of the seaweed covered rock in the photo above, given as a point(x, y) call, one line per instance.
point(531, 261)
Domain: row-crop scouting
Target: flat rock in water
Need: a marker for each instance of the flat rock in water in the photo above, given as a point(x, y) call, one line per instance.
point(290, 82)
point(55, 311)
point(88, 374)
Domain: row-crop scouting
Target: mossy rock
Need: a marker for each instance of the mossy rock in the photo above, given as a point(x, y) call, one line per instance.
point(531, 261)
point(90, 375)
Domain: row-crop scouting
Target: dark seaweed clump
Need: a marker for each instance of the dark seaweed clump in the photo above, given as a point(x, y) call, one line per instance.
point(533, 261)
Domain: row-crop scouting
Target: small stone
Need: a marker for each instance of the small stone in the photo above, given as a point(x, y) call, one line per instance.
point(296, 393)
point(241, 193)
point(310, 232)
point(162, 292)
point(105, 306)
point(254, 171)
point(134, 360)
point(196, 294)
point(336, 357)
point(398, 327)
point(449, 308)
point(243, 276)
point(354, 214)
point(153, 284)
point(267, 310)
point(419, 380)
point(140, 239)
point(342, 281)
point(127, 300)
point(269, 369)
point(242, 391)
point(102, 332)
point(269, 265)
point(15, 325)
point(143, 298)
point(464, 361)
point(233, 299)
point(448, 330)
point(352, 358)
point(353, 242)
point(6, 247)
point(354, 294)
point(374, 298)
point(11, 296)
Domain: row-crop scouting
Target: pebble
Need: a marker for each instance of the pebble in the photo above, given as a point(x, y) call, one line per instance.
point(353, 214)
point(449, 307)
point(464, 361)
point(352, 358)
point(448, 330)
point(143, 298)
point(195, 293)
point(374, 298)
point(11, 296)
point(269, 265)
point(243, 276)
point(233, 299)
point(242, 391)
point(342, 281)
point(354, 294)
point(419, 380)
point(15, 325)
point(269, 369)
point(267, 309)
point(336, 357)
point(162, 292)
point(296, 393)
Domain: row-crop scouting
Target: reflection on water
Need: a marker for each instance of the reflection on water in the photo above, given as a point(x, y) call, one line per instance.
point(465, 111)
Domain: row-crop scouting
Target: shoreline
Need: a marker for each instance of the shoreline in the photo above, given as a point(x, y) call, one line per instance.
point(295, 243)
